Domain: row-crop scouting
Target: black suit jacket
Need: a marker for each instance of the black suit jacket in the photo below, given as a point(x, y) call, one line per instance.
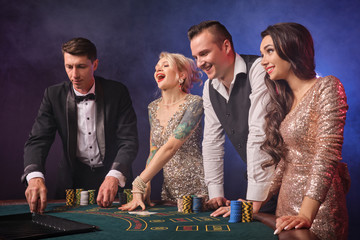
point(116, 129)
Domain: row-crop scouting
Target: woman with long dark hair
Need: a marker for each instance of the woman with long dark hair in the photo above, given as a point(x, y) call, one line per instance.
point(304, 135)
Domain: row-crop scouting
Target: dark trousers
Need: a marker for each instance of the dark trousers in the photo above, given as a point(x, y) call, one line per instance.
point(82, 176)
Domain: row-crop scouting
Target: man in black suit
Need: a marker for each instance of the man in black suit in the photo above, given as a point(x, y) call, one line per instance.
point(97, 125)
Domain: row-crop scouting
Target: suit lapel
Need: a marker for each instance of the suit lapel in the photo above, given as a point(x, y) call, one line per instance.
point(100, 129)
point(71, 116)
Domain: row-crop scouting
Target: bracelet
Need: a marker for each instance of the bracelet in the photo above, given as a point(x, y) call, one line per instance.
point(136, 192)
point(139, 184)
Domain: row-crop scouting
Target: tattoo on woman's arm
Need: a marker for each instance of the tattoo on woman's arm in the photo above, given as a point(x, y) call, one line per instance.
point(153, 150)
point(190, 120)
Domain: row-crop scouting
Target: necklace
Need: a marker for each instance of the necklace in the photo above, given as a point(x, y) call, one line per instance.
point(171, 104)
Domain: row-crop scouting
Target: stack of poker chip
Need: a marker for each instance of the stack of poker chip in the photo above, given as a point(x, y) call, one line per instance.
point(180, 204)
point(84, 199)
point(129, 195)
point(187, 204)
point(122, 198)
point(235, 212)
point(70, 197)
point(91, 196)
point(197, 204)
point(247, 212)
point(78, 195)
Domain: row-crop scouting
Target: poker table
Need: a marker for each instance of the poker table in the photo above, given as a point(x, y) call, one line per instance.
point(162, 221)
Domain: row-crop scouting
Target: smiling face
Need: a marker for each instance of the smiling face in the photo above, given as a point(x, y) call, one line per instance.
point(209, 56)
point(80, 71)
point(276, 67)
point(166, 75)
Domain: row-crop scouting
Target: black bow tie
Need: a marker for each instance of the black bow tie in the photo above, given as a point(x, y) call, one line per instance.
point(89, 96)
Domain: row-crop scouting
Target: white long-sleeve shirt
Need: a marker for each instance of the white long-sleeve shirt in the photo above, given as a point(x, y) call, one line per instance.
point(214, 136)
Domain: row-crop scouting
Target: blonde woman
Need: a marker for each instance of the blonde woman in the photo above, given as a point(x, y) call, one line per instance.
point(175, 134)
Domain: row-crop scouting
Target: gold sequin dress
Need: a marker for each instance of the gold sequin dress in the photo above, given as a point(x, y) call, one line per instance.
point(184, 173)
point(313, 134)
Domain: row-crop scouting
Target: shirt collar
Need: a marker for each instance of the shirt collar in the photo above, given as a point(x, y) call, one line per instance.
point(240, 67)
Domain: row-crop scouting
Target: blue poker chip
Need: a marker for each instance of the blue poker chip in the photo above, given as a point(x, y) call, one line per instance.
point(235, 211)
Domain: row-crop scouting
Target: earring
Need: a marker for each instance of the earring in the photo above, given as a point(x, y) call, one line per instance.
point(181, 83)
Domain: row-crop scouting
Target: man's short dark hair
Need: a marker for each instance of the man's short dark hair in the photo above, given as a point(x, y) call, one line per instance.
point(215, 28)
point(80, 47)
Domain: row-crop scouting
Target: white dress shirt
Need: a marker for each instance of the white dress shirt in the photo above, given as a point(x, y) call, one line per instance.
point(87, 146)
point(214, 136)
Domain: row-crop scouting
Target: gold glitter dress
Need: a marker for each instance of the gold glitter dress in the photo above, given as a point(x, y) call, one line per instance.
point(184, 173)
point(313, 134)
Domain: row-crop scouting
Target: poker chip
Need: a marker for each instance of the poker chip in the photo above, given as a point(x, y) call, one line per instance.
point(235, 212)
point(84, 198)
point(91, 196)
point(129, 195)
point(197, 204)
point(247, 212)
point(70, 197)
point(187, 204)
point(180, 204)
point(78, 195)
point(122, 198)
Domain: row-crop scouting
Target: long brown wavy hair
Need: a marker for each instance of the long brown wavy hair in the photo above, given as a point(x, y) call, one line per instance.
point(294, 44)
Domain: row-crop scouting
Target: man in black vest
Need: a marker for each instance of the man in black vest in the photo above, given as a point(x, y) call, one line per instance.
point(234, 97)
point(97, 126)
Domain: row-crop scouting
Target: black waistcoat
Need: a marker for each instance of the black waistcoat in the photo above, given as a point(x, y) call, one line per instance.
point(233, 115)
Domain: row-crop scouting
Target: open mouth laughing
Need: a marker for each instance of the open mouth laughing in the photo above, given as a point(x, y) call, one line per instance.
point(160, 77)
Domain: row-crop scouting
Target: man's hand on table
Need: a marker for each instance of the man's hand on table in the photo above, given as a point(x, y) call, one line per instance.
point(36, 195)
point(217, 202)
point(225, 210)
point(107, 191)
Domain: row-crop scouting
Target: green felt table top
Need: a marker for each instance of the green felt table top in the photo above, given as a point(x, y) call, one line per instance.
point(167, 223)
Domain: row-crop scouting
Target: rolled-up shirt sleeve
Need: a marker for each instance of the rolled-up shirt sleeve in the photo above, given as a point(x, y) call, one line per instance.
point(213, 148)
point(259, 179)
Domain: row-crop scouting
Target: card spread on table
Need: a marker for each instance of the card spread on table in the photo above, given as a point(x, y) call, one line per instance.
point(142, 213)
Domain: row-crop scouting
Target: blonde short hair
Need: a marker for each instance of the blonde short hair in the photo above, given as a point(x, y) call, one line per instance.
point(183, 64)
